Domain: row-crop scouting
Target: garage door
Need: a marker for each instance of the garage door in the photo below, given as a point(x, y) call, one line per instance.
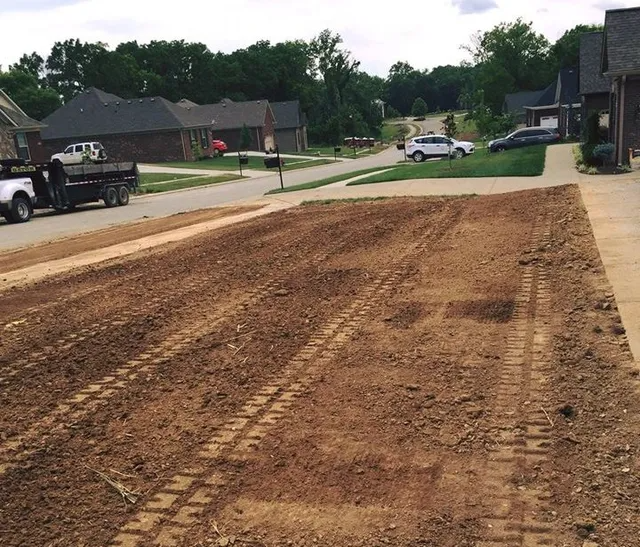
point(549, 121)
point(269, 143)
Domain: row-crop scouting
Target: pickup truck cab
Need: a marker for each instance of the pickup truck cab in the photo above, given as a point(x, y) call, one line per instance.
point(84, 152)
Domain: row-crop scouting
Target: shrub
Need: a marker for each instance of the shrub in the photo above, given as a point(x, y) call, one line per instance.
point(603, 153)
point(392, 112)
point(586, 150)
point(419, 107)
point(197, 151)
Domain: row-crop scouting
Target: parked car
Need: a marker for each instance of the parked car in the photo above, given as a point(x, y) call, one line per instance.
point(429, 146)
point(219, 148)
point(83, 152)
point(525, 137)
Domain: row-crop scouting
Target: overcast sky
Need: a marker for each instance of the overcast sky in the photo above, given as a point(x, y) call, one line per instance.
point(426, 33)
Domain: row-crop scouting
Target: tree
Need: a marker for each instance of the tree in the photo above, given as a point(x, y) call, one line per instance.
point(31, 64)
point(449, 126)
point(37, 101)
point(67, 65)
point(510, 57)
point(245, 138)
point(391, 112)
point(565, 52)
point(335, 66)
point(400, 87)
point(419, 107)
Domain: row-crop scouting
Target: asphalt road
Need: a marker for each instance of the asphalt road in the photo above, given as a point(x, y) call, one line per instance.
point(47, 226)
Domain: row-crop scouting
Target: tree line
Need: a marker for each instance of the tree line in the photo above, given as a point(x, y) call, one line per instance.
point(339, 98)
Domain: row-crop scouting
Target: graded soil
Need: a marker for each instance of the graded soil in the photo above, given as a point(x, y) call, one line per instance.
point(409, 372)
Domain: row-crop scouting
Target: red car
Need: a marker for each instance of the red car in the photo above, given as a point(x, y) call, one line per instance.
point(219, 148)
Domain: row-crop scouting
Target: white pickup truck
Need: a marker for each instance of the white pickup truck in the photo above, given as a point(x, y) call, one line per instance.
point(25, 186)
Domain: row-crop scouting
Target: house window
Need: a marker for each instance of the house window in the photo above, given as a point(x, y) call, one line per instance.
point(23, 146)
point(204, 138)
point(193, 133)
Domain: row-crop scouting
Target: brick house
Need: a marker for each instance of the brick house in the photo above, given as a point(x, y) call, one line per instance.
point(227, 118)
point(19, 134)
point(291, 126)
point(515, 103)
point(153, 129)
point(558, 105)
point(595, 88)
point(620, 63)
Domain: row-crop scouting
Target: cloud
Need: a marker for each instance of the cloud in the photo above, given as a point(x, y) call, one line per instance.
point(7, 6)
point(467, 7)
point(608, 4)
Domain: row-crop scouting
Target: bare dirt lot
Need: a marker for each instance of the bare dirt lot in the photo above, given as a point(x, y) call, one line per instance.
point(424, 372)
point(71, 246)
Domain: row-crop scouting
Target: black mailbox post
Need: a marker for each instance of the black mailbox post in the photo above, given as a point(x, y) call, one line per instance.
point(402, 146)
point(243, 159)
point(336, 151)
point(272, 162)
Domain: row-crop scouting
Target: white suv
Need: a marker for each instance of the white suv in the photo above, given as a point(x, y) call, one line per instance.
point(428, 146)
point(84, 152)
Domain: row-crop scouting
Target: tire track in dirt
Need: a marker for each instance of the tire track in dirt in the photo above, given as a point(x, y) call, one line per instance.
point(21, 328)
point(166, 516)
point(19, 321)
point(516, 508)
point(98, 392)
point(125, 317)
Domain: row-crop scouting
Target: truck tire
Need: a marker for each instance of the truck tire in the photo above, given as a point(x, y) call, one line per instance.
point(110, 197)
point(216, 152)
point(123, 195)
point(20, 211)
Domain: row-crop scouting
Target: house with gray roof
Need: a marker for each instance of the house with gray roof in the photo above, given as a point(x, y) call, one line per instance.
point(595, 88)
point(515, 103)
point(291, 126)
point(19, 134)
point(620, 63)
point(558, 105)
point(153, 129)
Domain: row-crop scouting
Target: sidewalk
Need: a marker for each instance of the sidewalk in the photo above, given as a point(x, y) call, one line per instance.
point(251, 173)
point(614, 211)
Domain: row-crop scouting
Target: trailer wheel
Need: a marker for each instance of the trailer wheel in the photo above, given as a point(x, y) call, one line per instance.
point(20, 211)
point(123, 195)
point(110, 197)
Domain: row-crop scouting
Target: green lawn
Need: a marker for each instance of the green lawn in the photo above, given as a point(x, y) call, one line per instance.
point(178, 184)
point(393, 132)
point(230, 163)
point(324, 182)
point(523, 162)
point(151, 178)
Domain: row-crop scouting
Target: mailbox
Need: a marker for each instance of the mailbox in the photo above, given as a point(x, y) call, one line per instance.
point(400, 146)
point(337, 149)
point(244, 160)
point(270, 163)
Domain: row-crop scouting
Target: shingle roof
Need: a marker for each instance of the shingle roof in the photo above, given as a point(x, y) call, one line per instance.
point(89, 114)
point(569, 86)
point(515, 102)
point(226, 115)
point(13, 115)
point(591, 79)
point(186, 103)
point(621, 47)
point(287, 114)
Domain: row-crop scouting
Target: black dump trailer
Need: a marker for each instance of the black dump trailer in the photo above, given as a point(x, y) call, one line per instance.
point(25, 186)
